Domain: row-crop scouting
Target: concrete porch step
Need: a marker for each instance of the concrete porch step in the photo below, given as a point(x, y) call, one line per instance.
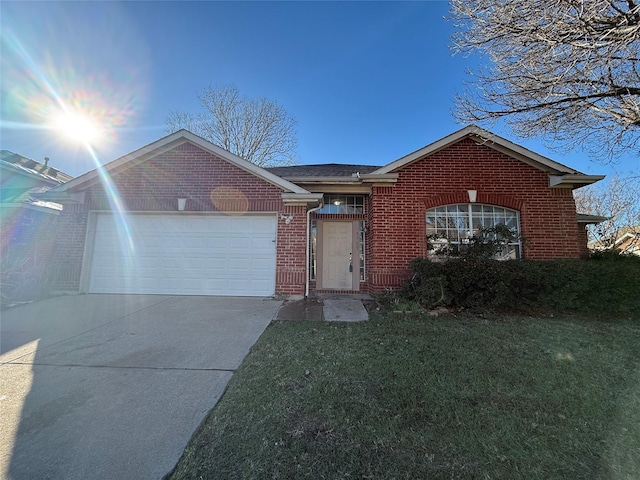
point(331, 309)
point(344, 309)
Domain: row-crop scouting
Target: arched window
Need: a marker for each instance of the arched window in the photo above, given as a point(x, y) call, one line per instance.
point(454, 225)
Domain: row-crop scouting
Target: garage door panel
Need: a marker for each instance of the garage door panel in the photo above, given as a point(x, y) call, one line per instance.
point(240, 243)
point(261, 264)
point(185, 254)
point(217, 264)
point(239, 265)
point(262, 244)
point(262, 225)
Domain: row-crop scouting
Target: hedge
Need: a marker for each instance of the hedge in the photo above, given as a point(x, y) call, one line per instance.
point(600, 284)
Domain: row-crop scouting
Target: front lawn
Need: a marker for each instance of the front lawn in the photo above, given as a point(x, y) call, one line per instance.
point(418, 397)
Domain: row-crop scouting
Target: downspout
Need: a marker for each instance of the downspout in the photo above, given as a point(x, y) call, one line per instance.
point(309, 212)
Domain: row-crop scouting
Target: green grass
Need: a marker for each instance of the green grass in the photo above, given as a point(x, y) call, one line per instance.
point(419, 397)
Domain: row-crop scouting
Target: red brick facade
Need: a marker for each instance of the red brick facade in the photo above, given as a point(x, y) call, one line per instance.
point(394, 214)
point(397, 215)
point(210, 184)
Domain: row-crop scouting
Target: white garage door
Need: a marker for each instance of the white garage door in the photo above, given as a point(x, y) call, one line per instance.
point(184, 255)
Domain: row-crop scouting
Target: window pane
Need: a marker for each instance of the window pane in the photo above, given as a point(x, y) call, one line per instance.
point(312, 259)
point(343, 204)
point(452, 223)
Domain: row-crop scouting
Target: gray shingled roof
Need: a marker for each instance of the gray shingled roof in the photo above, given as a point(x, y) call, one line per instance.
point(322, 170)
point(31, 167)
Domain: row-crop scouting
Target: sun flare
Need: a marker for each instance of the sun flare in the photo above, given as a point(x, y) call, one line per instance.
point(77, 127)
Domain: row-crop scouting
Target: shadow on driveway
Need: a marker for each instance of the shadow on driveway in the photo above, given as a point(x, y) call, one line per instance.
point(113, 386)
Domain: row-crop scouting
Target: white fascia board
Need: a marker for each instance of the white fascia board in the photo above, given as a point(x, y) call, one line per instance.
point(167, 143)
point(302, 198)
point(588, 219)
point(340, 188)
point(573, 180)
point(341, 179)
point(379, 178)
point(485, 137)
point(45, 207)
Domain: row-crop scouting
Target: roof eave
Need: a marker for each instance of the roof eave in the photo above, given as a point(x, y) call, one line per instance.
point(61, 196)
point(308, 199)
point(587, 219)
point(353, 179)
point(379, 178)
point(46, 207)
point(573, 180)
point(327, 179)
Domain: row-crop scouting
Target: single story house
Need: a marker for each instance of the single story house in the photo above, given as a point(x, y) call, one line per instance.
point(184, 216)
point(624, 240)
point(27, 224)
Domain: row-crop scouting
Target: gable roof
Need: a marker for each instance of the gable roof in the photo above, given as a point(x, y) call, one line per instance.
point(66, 191)
point(33, 178)
point(20, 165)
point(559, 173)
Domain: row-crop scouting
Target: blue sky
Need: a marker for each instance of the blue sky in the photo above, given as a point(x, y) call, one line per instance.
point(368, 82)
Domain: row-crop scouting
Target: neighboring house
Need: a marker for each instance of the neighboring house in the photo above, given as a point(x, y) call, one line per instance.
point(625, 240)
point(183, 216)
point(27, 224)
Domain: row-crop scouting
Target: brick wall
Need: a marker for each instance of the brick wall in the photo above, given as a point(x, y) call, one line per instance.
point(66, 262)
point(398, 228)
point(291, 252)
point(209, 183)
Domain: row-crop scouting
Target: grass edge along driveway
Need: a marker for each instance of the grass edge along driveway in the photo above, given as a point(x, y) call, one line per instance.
point(408, 397)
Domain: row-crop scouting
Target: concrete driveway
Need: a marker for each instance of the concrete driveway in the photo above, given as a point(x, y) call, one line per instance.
point(113, 386)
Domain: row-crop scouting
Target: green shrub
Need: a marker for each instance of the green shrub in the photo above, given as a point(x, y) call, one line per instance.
point(597, 285)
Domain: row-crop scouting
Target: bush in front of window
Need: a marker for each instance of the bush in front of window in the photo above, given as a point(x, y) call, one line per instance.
point(476, 282)
point(489, 242)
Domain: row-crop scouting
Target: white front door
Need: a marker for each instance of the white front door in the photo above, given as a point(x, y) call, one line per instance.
point(337, 269)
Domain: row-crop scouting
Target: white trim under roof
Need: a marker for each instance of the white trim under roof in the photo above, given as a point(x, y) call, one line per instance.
point(310, 199)
point(38, 205)
point(589, 219)
point(165, 144)
point(573, 181)
point(487, 138)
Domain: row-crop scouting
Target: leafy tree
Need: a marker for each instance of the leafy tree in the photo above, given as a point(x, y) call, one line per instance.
point(258, 130)
point(564, 70)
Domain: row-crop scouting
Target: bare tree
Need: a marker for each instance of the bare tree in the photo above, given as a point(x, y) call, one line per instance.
point(619, 199)
point(564, 70)
point(258, 130)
